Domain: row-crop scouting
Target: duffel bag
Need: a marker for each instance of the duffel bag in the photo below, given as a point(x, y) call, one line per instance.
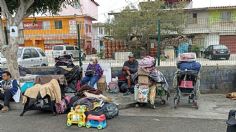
point(110, 110)
point(113, 87)
point(196, 66)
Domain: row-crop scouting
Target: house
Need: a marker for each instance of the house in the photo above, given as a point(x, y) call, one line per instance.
point(47, 30)
point(99, 33)
point(212, 22)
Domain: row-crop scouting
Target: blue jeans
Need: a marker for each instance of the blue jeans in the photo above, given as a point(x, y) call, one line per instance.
point(91, 80)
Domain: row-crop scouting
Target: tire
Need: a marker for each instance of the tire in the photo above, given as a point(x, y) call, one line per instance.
point(227, 58)
point(163, 102)
point(43, 65)
point(88, 126)
point(99, 127)
point(210, 57)
point(68, 124)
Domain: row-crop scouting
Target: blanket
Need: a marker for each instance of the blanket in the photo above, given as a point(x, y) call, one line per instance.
point(51, 89)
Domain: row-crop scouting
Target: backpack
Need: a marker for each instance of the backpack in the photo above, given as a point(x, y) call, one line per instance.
point(113, 87)
point(110, 110)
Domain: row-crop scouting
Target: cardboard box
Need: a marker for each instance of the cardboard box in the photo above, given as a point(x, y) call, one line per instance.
point(143, 79)
point(142, 72)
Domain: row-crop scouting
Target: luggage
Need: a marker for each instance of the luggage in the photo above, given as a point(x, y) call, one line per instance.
point(147, 61)
point(195, 66)
point(231, 122)
point(113, 87)
point(110, 110)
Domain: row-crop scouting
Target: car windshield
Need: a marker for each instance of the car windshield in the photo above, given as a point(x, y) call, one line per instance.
point(58, 48)
point(220, 47)
point(19, 53)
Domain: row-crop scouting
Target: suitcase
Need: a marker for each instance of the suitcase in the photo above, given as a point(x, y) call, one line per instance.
point(231, 122)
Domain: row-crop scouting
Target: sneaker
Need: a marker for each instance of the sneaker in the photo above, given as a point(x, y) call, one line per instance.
point(5, 109)
point(126, 94)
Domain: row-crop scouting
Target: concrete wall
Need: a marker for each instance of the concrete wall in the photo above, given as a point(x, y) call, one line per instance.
point(214, 79)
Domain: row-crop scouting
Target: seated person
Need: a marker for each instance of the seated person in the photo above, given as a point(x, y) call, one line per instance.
point(93, 73)
point(129, 67)
point(9, 88)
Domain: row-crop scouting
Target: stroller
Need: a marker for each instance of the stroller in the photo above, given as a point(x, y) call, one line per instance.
point(151, 84)
point(186, 80)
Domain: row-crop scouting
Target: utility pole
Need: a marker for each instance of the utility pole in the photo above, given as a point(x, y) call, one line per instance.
point(158, 41)
point(79, 46)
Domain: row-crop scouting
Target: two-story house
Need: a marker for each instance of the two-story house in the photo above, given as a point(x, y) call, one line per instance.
point(212, 22)
point(45, 30)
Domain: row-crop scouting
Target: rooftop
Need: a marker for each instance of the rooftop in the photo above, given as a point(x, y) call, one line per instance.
point(199, 4)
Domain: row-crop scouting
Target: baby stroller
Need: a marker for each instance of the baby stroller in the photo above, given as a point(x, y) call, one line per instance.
point(151, 84)
point(187, 80)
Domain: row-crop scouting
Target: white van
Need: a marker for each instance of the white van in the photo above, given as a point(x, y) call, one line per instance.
point(29, 57)
point(61, 50)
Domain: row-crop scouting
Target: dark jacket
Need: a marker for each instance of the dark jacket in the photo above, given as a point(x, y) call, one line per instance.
point(133, 66)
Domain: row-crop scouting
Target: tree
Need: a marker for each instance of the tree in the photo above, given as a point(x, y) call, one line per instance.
point(143, 21)
point(13, 12)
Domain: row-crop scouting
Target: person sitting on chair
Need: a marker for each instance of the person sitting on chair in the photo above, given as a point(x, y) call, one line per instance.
point(130, 67)
point(9, 88)
point(93, 73)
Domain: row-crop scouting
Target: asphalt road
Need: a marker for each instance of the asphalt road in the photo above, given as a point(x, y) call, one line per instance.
point(44, 122)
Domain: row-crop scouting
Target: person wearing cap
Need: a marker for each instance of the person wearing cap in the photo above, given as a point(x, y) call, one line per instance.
point(93, 73)
point(130, 67)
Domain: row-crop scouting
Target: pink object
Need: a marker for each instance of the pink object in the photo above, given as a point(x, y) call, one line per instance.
point(187, 57)
point(147, 61)
point(186, 84)
point(97, 118)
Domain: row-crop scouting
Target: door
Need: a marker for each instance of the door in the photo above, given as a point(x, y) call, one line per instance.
point(229, 41)
point(26, 59)
point(36, 59)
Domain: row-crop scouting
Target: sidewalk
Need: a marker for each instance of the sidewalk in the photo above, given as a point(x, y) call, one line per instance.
point(211, 106)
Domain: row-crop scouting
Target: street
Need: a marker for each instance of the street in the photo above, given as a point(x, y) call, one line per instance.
point(41, 122)
point(210, 117)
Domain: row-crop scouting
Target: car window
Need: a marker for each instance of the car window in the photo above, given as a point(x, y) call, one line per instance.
point(58, 48)
point(27, 53)
point(76, 48)
point(70, 48)
point(41, 52)
point(220, 47)
point(34, 53)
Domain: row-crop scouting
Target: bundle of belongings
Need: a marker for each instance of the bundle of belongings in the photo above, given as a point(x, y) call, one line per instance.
point(187, 61)
point(149, 82)
point(65, 60)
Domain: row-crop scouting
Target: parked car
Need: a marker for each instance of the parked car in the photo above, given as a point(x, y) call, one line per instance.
point(61, 50)
point(214, 52)
point(29, 57)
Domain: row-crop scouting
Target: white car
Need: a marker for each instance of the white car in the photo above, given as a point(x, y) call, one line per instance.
point(29, 57)
point(61, 50)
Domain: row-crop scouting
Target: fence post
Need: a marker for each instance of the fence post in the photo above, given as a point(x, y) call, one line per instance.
point(79, 46)
point(158, 41)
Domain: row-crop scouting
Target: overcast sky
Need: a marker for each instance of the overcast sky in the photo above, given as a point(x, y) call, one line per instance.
point(107, 6)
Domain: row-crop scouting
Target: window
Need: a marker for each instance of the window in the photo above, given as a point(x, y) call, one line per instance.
point(27, 54)
point(86, 28)
point(226, 16)
point(41, 52)
point(58, 24)
point(195, 18)
point(101, 30)
point(58, 48)
point(34, 53)
point(46, 25)
point(70, 48)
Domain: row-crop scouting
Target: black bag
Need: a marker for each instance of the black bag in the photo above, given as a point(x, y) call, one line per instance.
point(89, 73)
point(231, 122)
point(110, 110)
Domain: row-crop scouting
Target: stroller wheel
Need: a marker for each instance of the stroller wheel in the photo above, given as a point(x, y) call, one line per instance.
point(163, 102)
point(195, 104)
point(137, 105)
point(176, 102)
point(153, 106)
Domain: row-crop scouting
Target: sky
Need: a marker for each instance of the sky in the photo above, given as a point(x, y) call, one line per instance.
point(107, 6)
